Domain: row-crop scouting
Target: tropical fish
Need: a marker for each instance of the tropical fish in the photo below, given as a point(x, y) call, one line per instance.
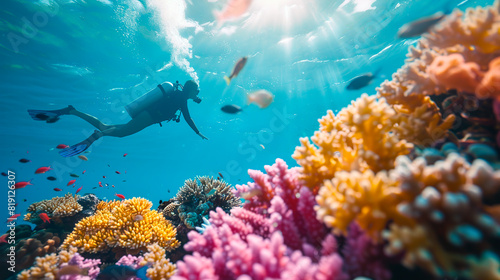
point(104, 176)
point(419, 27)
point(74, 175)
point(361, 81)
point(236, 69)
point(71, 182)
point(83, 172)
point(121, 196)
point(51, 178)
point(261, 97)
point(57, 189)
point(124, 155)
point(117, 172)
point(113, 186)
point(20, 185)
point(79, 189)
point(45, 218)
point(82, 157)
point(24, 200)
point(4, 174)
point(221, 175)
point(231, 109)
point(62, 146)
point(251, 193)
point(233, 10)
point(3, 238)
point(42, 170)
point(24, 160)
point(13, 217)
point(262, 146)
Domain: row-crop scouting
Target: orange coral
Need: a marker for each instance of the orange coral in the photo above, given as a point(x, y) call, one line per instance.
point(368, 198)
point(47, 267)
point(161, 268)
point(490, 85)
point(359, 138)
point(453, 72)
point(116, 224)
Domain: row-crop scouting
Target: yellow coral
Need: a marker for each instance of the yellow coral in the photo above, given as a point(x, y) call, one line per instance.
point(368, 198)
point(46, 267)
point(359, 138)
point(161, 268)
point(129, 224)
point(57, 206)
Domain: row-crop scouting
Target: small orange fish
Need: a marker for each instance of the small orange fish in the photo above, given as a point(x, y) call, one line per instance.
point(77, 191)
point(82, 157)
point(84, 171)
point(71, 182)
point(42, 170)
point(57, 189)
point(20, 185)
point(3, 238)
point(45, 218)
point(113, 186)
point(236, 70)
point(62, 146)
point(121, 196)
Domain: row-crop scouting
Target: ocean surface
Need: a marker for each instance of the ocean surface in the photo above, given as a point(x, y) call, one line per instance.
point(100, 55)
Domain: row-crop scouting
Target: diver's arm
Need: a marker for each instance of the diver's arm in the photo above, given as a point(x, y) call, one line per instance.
point(190, 121)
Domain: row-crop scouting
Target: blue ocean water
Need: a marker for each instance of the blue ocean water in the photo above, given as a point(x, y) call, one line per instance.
point(100, 55)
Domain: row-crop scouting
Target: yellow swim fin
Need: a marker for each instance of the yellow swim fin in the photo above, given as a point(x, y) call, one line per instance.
point(227, 79)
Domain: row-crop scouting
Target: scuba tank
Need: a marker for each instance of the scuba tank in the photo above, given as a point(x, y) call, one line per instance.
point(146, 100)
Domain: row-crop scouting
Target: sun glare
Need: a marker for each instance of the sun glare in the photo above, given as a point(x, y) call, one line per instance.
point(281, 14)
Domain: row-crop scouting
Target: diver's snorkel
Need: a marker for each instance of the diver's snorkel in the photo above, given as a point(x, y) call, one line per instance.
point(197, 100)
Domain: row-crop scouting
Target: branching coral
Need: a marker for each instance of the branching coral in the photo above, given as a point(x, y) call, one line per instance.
point(368, 198)
point(160, 267)
point(39, 245)
point(129, 224)
point(446, 200)
point(361, 137)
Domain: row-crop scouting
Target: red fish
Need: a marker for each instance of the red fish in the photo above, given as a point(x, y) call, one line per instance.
point(15, 205)
point(124, 155)
point(121, 196)
point(236, 70)
point(45, 218)
point(84, 171)
point(20, 185)
point(77, 191)
point(13, 217)
point(42, 170)
point(57, 189)
point(117, 172)
point(62, 146)
point(113, 186)
point(71, 182)
point(104, 177)
point(4, 174)
point(100, 184)
point(3, 238)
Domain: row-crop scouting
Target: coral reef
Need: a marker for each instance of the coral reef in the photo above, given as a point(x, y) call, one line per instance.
point(55, 207)
point(160, 267)
point(129, 224)
point(361, 137)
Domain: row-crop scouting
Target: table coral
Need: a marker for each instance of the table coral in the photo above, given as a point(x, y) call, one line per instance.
point(57, 207)
point(128, 224)
point(361, 137)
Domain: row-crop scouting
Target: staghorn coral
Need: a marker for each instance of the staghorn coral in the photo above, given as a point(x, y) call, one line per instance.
point(368, 198)
point(160, 267)
point(361, 137)
point(446, 201)
point(128, 224)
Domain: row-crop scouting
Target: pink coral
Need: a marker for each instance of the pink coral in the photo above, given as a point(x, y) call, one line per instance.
point(453, 72)
point(130, 260)
point(363, 257)
point(490, 85)
point(92, 265)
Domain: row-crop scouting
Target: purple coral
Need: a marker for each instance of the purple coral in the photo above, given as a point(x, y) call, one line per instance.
point(91, 264)
point(130, 260)
point(362, 257)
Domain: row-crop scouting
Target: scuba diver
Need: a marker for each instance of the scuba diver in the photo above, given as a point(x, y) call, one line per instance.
point(160, 104)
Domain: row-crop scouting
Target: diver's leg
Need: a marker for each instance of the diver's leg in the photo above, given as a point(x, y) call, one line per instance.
point(137, 124)
point(90, 119)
